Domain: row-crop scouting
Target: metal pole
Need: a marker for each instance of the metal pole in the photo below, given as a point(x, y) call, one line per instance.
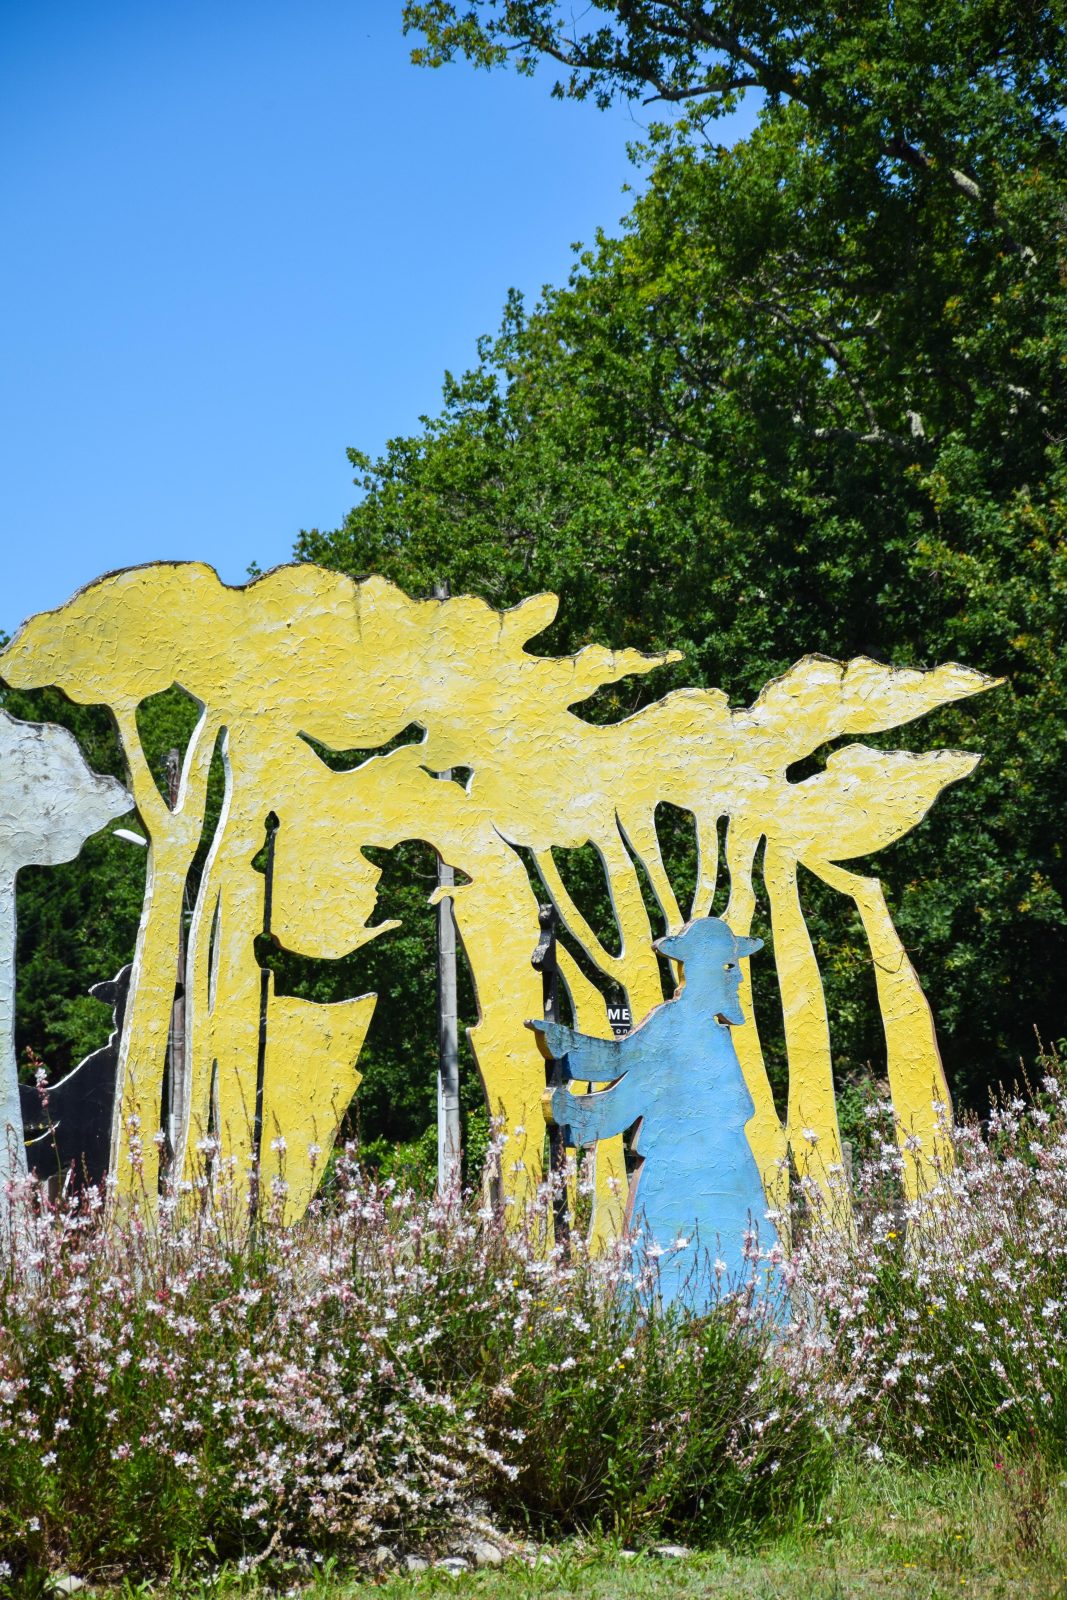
point(449, 1138)
point(544, 961)
point(271, 826)
point(12, 1139)
point(449, 1148)
point(177, 1076)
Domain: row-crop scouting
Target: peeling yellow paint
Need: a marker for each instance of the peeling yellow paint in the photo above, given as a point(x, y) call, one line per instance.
point(303, 657)
point(309, 1082)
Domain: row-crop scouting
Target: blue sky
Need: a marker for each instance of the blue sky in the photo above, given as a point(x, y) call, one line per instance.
point(237, 239)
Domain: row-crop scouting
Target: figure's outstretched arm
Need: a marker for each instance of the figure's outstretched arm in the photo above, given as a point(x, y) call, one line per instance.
point(599, 1115)
point(594, 1060)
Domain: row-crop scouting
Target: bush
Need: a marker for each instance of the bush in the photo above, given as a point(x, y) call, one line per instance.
point(650, 1423)
point(397, 1365)
point(389, 1367)
point(671, 1425)
point(940, 1329)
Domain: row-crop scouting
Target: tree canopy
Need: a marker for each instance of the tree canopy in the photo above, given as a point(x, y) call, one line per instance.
point(811, 398)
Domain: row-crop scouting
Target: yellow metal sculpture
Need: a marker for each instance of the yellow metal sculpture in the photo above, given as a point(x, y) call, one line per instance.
point(303, 658)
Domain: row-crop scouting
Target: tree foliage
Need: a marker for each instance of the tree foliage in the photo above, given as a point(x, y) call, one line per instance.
point(810, 399)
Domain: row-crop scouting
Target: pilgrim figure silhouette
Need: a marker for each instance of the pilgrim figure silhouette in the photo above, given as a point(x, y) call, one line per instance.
point(678, 1078)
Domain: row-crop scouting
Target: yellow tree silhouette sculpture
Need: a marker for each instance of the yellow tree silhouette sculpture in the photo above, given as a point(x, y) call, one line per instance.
point(302, 659)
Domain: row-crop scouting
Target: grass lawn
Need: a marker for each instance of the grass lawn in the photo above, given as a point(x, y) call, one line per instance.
point(882, 1533)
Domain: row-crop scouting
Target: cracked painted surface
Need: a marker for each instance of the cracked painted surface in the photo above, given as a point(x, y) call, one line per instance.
point(50, 803)
point(697, 1192)
point(306, 655)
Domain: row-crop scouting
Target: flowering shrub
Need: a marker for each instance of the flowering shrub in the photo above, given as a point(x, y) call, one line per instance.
point(395, 1366)
point(942, 1327)
point(386, 1368)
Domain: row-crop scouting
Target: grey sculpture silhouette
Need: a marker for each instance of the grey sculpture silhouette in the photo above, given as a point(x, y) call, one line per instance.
point(50, 803)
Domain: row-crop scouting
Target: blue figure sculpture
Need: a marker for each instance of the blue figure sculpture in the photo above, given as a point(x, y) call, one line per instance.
point(677, 1075)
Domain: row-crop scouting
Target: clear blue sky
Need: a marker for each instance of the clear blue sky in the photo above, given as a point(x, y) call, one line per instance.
point(238, 238)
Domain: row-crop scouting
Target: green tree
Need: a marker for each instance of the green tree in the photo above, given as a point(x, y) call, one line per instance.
point(812, 398)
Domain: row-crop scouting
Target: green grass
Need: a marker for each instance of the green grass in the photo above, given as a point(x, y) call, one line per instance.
point(883, 1534)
